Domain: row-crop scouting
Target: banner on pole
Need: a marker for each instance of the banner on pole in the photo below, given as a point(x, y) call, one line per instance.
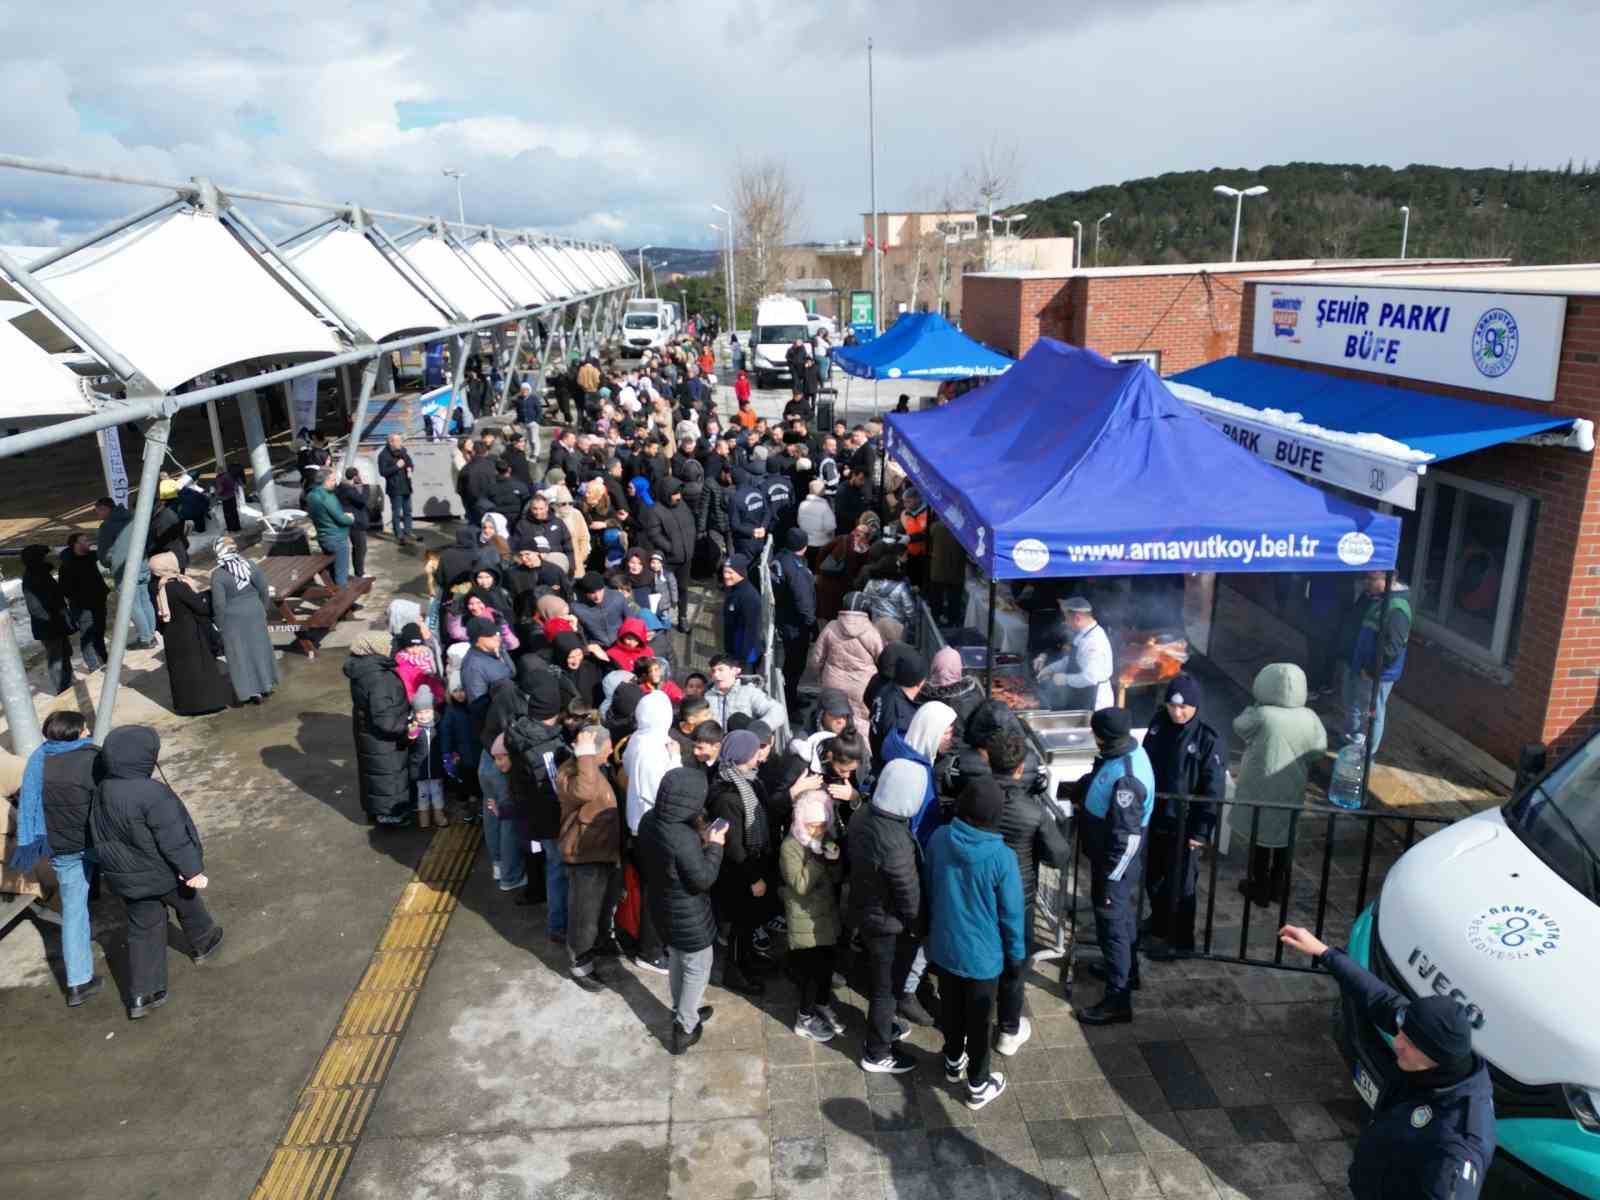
point(111, 458)
point(303, 397)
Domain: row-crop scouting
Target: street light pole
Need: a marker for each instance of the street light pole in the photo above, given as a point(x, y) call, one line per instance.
point(1097, 225)
point(1238, 207)
point(1405, 229)
point(872, 173)
point(642, 249)
point(1077, 244)
point(461, 208)
point(728, 275)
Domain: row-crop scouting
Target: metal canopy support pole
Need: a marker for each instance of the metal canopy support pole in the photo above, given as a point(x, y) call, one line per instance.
point(464, 348)
point(216, 436)
point(1377, 682)
point(369, 376)
point(105, 231)
point(155, 450)
point(988, 653)
point(52, 304)
point(15, 694)
point(511, 367)
point(255, 441)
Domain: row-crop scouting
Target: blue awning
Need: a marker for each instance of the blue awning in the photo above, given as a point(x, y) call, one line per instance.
point(1440, 427)
point(920, 346)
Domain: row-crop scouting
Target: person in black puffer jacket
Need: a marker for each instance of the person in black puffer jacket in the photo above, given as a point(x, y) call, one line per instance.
point(151, 856)
point(47, 610)
point(379, 714)
point(537, 752)
point(680, 864)
point(1031, 825)
point(886, 901)
point(746, 893)
point(67, 792)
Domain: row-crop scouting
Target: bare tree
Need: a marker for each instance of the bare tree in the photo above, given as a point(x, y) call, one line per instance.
point(766, 201)
point(993, 172)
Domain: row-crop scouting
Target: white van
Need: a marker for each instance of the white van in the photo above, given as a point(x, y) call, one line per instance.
point(780, 322)
point(1502, 913)
point(646, 325)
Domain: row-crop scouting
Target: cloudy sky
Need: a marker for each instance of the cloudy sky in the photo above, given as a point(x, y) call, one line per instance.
point(624, 121)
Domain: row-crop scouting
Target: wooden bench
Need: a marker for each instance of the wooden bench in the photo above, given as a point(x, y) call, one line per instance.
point(306, 579)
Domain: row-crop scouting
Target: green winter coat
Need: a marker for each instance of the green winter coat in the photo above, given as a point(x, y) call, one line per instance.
point(1282, 738)
point(328, 516)
point(810, 896)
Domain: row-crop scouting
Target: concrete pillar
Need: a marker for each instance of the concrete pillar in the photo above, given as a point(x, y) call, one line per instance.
point(15, 694)
point(216, 436)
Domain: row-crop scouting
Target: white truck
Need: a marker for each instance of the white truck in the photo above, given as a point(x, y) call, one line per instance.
point(646, 325)
point(780, 323)
point(1501, 911)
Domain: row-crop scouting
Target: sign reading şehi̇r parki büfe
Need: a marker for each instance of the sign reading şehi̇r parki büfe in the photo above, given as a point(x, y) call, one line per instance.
point(1492, 341)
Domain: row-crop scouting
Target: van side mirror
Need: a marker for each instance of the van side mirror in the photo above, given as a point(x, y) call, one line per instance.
point(1530, 765)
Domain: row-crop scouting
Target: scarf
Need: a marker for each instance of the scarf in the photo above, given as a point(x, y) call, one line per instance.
point(641, 491)
point(495, 521)
point(747, 797)
point(228, 558)
point(165, 567)
point(811, 809)
point(32, 840)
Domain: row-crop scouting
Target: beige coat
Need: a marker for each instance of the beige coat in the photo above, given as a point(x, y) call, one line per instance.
point(846, 657)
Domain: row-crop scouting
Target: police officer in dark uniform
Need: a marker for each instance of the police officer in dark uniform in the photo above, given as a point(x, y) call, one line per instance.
point(780, 503)
point(748, 515)
point(1188, 757)
point(1115, 801)
point(1431, 1135)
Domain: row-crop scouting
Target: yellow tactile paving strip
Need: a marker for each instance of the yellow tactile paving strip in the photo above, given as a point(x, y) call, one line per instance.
point(310, 1160)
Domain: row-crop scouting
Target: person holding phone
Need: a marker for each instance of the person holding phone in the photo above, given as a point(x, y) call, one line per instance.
point(680, 859)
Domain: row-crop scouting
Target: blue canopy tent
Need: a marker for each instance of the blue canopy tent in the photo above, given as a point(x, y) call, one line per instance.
point(921, 346)
point(1074, 465)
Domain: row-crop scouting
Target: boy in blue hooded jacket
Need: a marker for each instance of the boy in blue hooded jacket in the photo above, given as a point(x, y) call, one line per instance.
point(974, 891)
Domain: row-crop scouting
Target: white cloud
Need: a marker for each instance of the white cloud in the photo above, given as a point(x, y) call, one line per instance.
point(625, 121)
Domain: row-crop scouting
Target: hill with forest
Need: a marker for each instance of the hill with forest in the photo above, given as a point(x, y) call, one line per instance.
point(1333, 210)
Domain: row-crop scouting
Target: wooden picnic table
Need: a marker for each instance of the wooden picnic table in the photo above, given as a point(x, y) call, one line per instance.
point(307, 577)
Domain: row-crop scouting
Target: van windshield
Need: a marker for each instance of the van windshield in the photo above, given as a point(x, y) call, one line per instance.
point(641, 321)
point(1559, 819)
point(771, 335)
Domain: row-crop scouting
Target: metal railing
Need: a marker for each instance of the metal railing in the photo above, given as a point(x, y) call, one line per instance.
point(1377, 833)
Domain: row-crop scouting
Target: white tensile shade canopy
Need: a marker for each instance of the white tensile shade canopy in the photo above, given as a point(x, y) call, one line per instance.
point(178, 297)
point(564, 266)
point(506, 274)
point(355, 275)
point(602, 263)
point(580, 269)
point(539, 267)
point(624, 271)
point(444, 268)
point(37, 385)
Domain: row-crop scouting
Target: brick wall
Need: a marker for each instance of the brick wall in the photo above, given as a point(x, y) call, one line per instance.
point(1553, 694)
point(993, 312)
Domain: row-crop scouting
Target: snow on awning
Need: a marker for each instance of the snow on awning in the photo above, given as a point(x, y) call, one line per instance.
point(356, 276)
point(443, 266)
point(541, 270)
point(178, 297)
point(1370, 438)
point(37, 386)
point(507, 276)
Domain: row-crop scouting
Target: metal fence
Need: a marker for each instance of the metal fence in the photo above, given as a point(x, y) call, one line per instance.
point(1333, 863)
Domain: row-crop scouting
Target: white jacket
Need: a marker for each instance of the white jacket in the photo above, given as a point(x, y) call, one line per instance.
point(648, 755)
point(1093, 650)
point(815, 518)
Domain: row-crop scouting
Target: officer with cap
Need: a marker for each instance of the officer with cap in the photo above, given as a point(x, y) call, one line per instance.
point(1115, 800)
point(1080, 680)
point(1431, 1135)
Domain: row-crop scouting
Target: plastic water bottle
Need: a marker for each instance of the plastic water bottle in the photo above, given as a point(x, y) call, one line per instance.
point(1344, 791)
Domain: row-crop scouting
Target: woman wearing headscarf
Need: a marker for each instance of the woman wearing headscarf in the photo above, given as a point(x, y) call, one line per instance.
point(494, 534)
point(640, 500)
point(841, 562)
point(809, 863)
point(239, 598)
point(845, 657)
point(581, 672)
point(641, 580)
point(379, 716)
point(1282, 739)
point(949, 684)
point(486, 598)
point(184, 617)
point(929, 735)
point(743, 892)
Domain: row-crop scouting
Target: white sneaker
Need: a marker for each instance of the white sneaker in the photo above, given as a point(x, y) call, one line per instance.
point(831, 1017)
point(497, 872)
point(955, 1069)
point(1009, 1043)
point(900, 1030)
point(988, 1090)
point(813, 1029)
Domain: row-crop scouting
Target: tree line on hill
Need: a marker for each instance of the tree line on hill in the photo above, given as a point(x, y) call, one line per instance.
point(1333, 210)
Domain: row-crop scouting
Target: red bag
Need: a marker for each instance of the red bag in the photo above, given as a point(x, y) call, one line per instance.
point(628, 907)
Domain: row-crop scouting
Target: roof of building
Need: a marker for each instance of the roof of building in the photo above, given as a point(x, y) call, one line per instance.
point(1565, 279)
point(1362, 265)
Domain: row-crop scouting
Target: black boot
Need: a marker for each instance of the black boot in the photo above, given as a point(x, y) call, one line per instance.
point(1115, 1008)
point(681, 1041)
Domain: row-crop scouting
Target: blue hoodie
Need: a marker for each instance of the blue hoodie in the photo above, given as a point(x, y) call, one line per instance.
point(974, 896)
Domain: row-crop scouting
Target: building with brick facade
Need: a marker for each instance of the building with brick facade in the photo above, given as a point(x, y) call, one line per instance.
point(1490, 378)
point(1173, 317)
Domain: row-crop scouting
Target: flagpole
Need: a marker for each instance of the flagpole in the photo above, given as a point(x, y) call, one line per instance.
point(872, 174)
